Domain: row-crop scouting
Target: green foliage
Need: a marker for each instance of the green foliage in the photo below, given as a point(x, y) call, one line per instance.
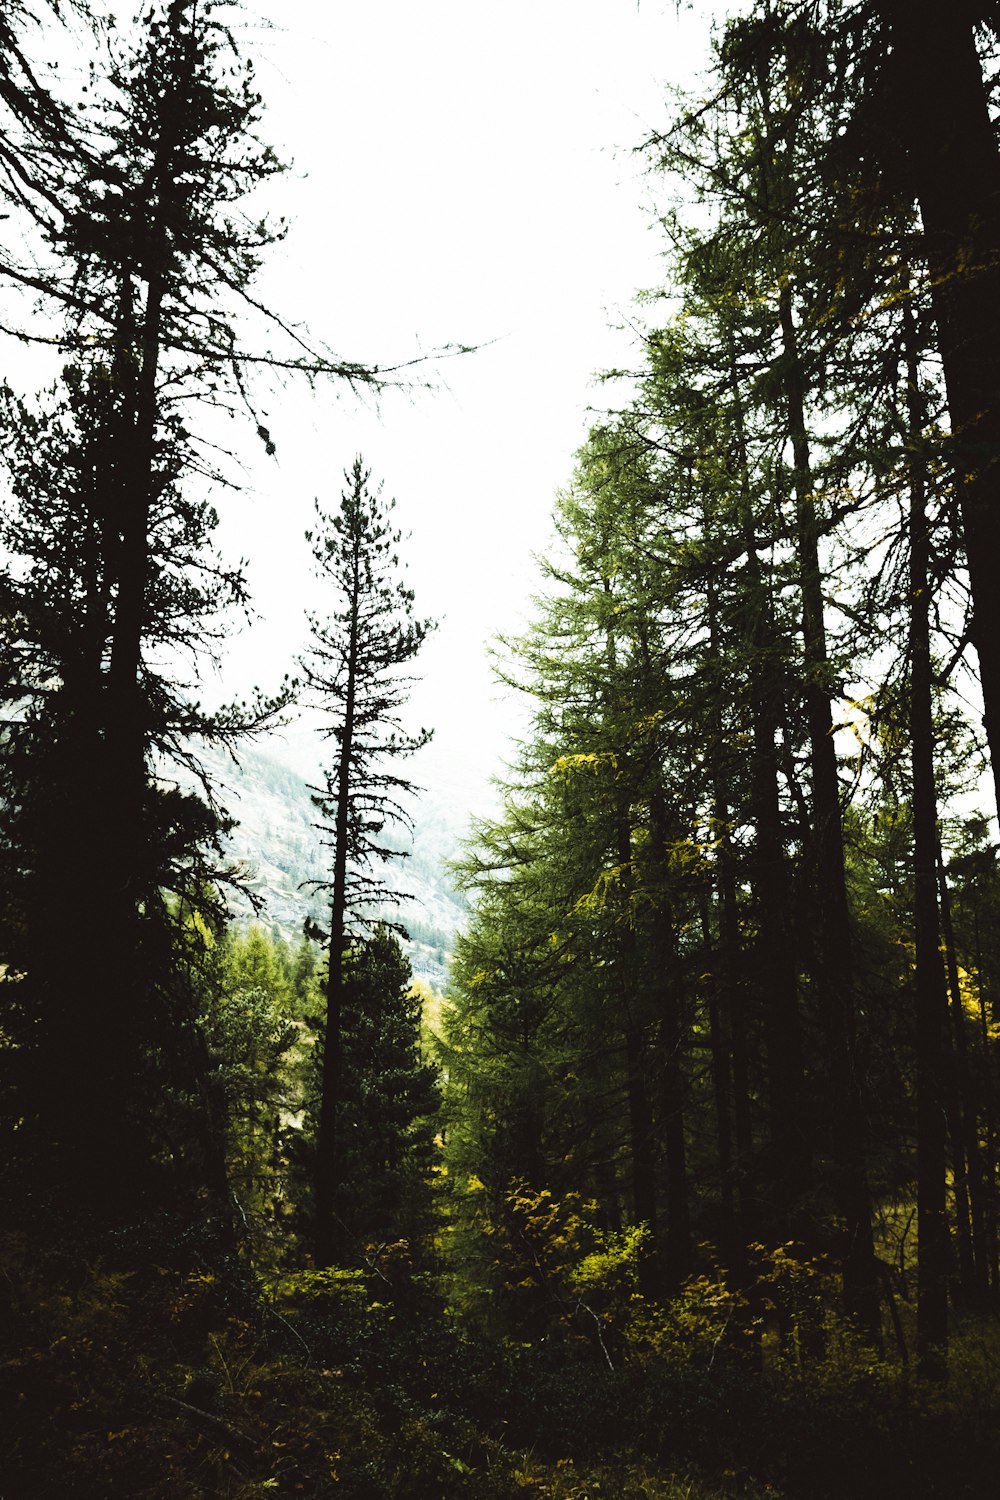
point(152, 1366)
point(706, 1319)
point(388, 1103)
point(241, 991)
point(547, 1265)
point(308, 1288)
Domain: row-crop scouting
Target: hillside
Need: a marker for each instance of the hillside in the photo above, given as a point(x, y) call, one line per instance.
point(277, 841)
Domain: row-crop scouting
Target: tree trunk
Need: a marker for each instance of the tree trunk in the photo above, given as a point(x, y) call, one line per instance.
point(835, 976)
point(677, 1238)
point(965, 1111)
point(641, 1136)
point(328, 1153)
point(932, 1223)
point(772, 896)
point(954, 165)
point(726, 1019)
point(719, 1026)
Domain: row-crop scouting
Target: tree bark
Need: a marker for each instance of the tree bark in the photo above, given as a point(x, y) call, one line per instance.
point(965, 1111)
point(677, 1237)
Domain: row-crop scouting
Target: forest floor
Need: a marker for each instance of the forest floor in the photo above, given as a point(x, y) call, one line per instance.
point(135, 1374)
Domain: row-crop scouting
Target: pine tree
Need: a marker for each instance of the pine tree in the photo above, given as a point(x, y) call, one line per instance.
point(114, 596)
point(354, 671)
point(388, 1100)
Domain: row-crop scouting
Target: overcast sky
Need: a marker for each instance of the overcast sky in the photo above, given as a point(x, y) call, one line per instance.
point(461, 173)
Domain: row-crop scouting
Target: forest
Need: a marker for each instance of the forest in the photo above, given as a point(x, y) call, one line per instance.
point(687, 1186)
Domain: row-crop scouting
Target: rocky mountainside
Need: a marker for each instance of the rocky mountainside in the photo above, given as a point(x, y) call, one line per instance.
point(282, 851)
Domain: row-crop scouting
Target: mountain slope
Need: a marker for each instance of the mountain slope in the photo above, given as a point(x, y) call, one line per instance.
point(282, 851)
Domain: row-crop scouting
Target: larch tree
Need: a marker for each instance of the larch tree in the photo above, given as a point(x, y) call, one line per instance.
point(751, 154)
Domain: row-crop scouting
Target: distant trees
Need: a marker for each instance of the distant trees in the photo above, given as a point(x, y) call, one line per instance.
point(355, 672)
point(246, 991)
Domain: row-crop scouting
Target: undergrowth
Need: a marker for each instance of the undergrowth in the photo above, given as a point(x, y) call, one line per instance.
point(166, 1368)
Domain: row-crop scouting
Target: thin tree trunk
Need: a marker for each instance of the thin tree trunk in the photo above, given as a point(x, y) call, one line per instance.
point(640, 1127)
point(641, 1135)
point(989, 1127)
point(677, 1238)
point(973, 1257)
point(932, 1223)
point(328, 1152)
point(719, 1015)
point(726, 1019)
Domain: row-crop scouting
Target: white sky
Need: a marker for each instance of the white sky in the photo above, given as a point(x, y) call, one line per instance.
point(462, 173)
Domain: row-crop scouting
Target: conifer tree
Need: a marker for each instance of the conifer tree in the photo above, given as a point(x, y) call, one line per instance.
point(355, 671)
point(41, 148)
point(388, 1099)
point(114, 596)
point(116, 575)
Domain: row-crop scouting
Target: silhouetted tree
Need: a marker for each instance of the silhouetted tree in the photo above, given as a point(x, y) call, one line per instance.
point(354, 671)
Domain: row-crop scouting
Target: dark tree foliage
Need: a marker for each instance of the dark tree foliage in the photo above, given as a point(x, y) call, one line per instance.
point(388, 1103)
point(41, 149)
point(113, 585)
point(56, 837)
point(113, 594)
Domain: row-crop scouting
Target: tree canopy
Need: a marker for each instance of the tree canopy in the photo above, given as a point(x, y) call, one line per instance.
point(689, 1181)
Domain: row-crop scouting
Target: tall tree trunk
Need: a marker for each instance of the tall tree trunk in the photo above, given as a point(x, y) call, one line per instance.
point(727, 1022)
point(772, 896)
point(641, 1134)
point(122, 786)
point(327, 1179)
point(835, 976)
point(719, 1023)
point(677, 1237)
point(965, 1111)
point(640, 1115)
point(941, 102)
point(932, 1223)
